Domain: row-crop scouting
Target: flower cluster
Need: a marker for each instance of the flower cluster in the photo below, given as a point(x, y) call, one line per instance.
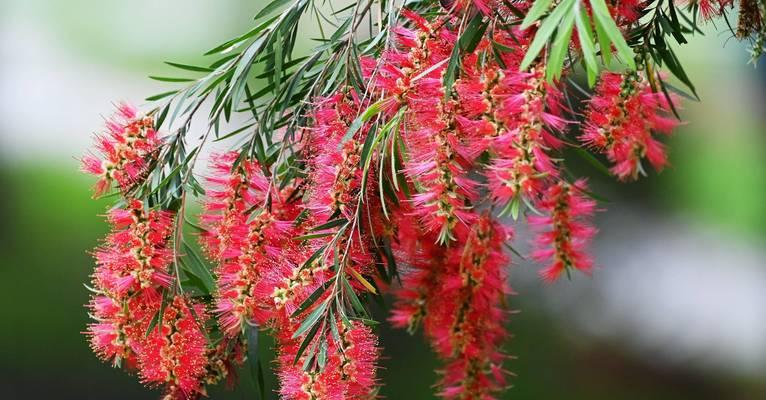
point(126, 150)
point(622, 116)
point(138, 323)
point(408, 180)
point(130, 277)
point(563, 230)
point(347, 368)
point(265, 274)
point(243, 235)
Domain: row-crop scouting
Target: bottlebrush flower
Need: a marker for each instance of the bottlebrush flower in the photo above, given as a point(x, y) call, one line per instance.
point(348, 373)
point(239, 242)
point(437, 164)
point(288, 280)
point(120, 326)
point(126, 150)
point(135, 256)
point(530, 116)
point(467, 324)
point(420, 263)
point(174, 354)
point(621, 117)
point(420, 281)
point(564, 233)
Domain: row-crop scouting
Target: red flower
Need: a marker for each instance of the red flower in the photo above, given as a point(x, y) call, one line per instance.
point(120, 326)
point(135, 256)
point(244, 232)
point(125, 150)
point(529, 115)
point(621, 117)
point(175, 353)
point(564, 232)
point(348, 371)
point(467, 324)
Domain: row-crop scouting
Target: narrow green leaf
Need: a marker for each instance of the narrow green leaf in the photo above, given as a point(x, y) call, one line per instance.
point(270, 8)
point(590, 159)
point(449, 74)
point(473, 33)
point(161, 95)
point(313, 236)
point(198, 268)
point(560, 45)
point(356, 303)
point(535, 12)
point(330, 224)
point(306, 341)
point(311, 320)
point(371, 111)
point(585, 34)
point(604, 18)
point(605, 46)
point(187, 67)
point(545, 32)
point(169, 79)
point(313, 297)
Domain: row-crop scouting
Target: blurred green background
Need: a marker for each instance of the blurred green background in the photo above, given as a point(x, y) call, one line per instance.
point(675, 310)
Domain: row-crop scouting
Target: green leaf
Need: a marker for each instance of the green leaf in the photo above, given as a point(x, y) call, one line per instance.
point(535, 12)
point(560, 45)
point(604, 44)
point(313, 236)
point(253, 356)
point(449, 74)
point(161, 95)
point(585, 34)
point(270, 8)
point(603, 18)
point(198, 268)
point(233, 43)
point(161, 118)
point(473, 33)
point(330, 224)
point(590, 159)
point(367, 115)
point(189, 67)
point(355, 302)
point(306, 341)
point(313, 297)
point(311, 320)
point(545, 32)
point(169, 79)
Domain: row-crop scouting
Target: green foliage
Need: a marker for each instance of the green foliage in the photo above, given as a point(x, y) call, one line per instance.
point(556, 30)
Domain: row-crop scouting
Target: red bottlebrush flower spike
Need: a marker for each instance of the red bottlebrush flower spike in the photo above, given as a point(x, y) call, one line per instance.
point(120, 326)
point(240, 243)
point(174, 353)
point(125, 150)
point(621, 117)
point(564, 232)
point(467, 324)
point(420, 282)
point(530, 115)
point(135, 256)
point(287, 282)
point(437, 163)
point(346, 374)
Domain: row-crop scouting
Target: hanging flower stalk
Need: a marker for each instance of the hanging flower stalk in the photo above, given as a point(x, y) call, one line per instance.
point(397, 163)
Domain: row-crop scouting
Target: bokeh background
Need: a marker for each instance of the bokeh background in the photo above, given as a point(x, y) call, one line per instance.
point(676, 309)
